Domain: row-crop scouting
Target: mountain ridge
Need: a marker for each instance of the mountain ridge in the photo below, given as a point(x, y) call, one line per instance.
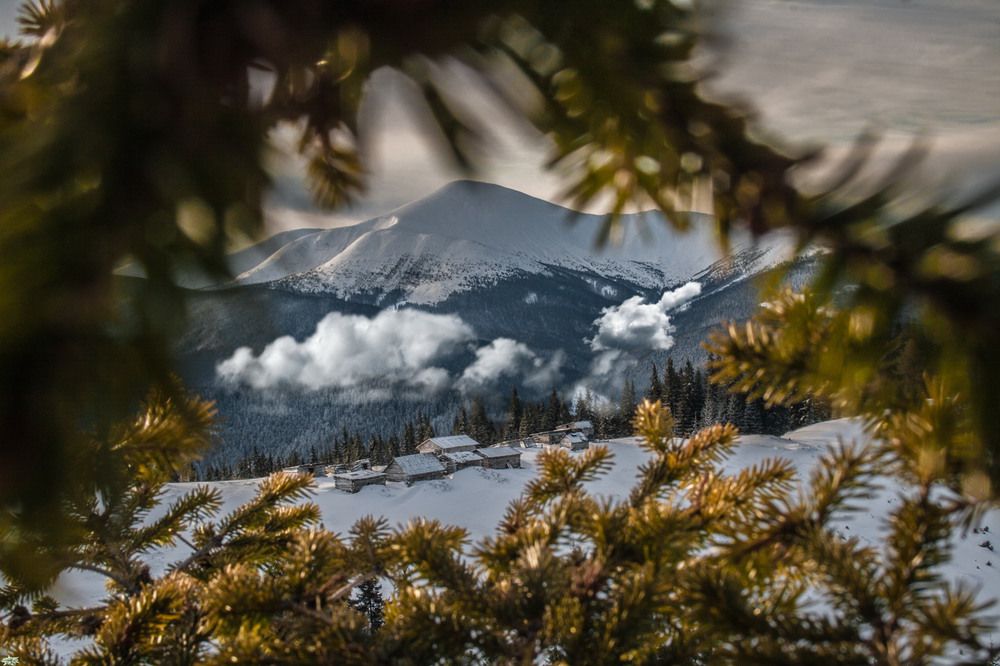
point(469, 234)
point(527, 289)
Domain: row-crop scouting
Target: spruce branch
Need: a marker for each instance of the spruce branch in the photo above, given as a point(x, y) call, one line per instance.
point(562, 474)
point(193, 507)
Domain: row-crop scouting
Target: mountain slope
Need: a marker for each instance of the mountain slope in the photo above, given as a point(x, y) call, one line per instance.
point(468, 235)
point(501, 263)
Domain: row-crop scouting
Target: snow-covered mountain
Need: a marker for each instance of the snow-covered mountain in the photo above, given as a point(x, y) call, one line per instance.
point(509, 289)
point(469, 235)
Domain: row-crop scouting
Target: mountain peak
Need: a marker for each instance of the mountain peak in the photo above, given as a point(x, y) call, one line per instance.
point(465, 206)
point(477, 188)
point(470, 233)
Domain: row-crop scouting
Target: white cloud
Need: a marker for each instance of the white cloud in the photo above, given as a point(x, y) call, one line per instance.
point(506, 357)
point(634, 326)
point(404, 347)
point(639, 326)
point(409, 348)
point(399, 345)
point(680, 296)
point(608, 363)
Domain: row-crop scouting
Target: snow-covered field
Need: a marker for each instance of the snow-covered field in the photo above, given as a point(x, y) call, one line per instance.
point(476, 498)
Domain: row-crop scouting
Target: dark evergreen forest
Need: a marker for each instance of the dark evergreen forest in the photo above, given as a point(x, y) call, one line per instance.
point(694, 401)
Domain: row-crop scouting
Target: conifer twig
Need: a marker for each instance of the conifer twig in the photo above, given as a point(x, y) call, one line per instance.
point(107, 573)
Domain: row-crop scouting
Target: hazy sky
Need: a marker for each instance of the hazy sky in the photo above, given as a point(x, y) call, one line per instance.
point(817, 70)
point(8, 12)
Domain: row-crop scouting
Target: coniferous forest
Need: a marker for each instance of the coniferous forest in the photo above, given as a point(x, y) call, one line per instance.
point(694, 401)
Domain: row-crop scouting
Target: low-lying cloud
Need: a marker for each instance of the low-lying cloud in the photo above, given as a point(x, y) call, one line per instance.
point(639, 326)
point(405, 348)
point(509, 358)
point(412, 350)
point(399, 345)
point(632, 328)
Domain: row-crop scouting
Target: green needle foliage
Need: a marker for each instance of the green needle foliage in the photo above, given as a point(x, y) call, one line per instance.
point(802, 345)
point(261, 584)
point(694, 566)
point(138, 131)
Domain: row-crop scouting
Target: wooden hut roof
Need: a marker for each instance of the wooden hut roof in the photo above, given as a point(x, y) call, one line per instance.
point(461, 456)
point(453, 442)
point(419, 463)
point(359, 474)
point(498, 452)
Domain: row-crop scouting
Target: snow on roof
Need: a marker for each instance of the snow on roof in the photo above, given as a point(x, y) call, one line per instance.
point(419, 463)
point(576, 437)
point(498, 452)
point(461, 456)
point(454, 442)
point(358, 474)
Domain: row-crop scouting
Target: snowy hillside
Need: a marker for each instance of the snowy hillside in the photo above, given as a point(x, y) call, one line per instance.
point(476, 499)
point(470, 234)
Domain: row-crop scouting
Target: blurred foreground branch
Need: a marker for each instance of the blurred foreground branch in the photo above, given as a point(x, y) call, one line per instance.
point(138, 130)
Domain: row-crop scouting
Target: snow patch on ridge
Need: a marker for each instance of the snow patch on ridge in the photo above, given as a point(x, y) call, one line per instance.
point(468, 235)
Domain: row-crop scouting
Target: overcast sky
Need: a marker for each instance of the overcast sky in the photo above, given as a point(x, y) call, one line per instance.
point(818, 71)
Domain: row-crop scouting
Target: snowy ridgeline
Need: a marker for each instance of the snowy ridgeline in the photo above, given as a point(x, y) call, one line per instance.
point(476, 499)
point(469, 234)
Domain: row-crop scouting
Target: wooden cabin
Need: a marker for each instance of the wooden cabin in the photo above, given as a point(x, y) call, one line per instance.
point(355, 480)
point(415, 467)
point(549, 437)
point(500, 457)
point(520, 443)
point(456, 460)
point(574, 440)
point(316, 469)
point(586, 427)
point(438, 445)
point(334, 469)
